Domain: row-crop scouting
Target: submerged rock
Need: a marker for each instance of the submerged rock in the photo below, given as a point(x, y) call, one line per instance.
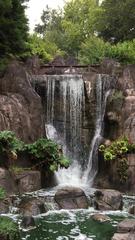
point(71, 198)
point(108, 199)
point(100, 218)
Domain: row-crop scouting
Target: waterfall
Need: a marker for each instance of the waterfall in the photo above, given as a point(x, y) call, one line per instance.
point(65, 108)
point(67, 130)
point(103, 88)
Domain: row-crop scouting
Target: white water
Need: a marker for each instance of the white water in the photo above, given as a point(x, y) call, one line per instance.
point(101, 98)
point(72, 104)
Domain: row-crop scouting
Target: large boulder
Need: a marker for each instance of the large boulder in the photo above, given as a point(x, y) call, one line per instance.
point(71, 198)
point(127, 225)
point(123, 236)
point(20, 106)
point(108, 199)
point(28, 181)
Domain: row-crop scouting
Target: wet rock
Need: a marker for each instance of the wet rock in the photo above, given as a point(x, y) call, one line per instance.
point(108, 200)
point(5, 205)
point(28, 181)
point(27, 222)
point(127, 225)
point(31, 206)
point(132, 210)
point(7, 181)
point(71, 198)
point(100, 218)
point(123, 236)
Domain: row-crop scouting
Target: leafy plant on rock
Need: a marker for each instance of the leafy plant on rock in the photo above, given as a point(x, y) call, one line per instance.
point(118, 151)
point(43, 152)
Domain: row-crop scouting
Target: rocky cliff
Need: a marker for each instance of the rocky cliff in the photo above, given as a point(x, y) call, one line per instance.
point(20, 106)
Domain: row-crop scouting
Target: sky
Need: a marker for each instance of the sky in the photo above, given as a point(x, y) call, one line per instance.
point(35, 8)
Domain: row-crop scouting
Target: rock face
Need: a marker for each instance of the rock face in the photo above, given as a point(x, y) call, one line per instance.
point(20, 105)
point(31, 206)
point(7, 181)
point(4, 205)
point(108, 200)
point(28, 181)
point(71, 198)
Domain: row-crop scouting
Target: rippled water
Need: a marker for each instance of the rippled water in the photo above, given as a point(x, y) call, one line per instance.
point(75, 224)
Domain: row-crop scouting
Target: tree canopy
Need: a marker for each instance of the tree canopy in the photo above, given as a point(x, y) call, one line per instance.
point(116, 21)
point(13, 27)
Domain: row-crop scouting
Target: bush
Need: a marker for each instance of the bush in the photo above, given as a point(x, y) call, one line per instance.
point(94, 50)
point(118, 151)
point(43, 152)
point(9, 228)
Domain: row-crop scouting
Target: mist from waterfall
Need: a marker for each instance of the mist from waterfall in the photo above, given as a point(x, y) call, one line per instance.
point(72, 108)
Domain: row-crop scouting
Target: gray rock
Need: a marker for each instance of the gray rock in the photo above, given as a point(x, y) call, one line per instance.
point(132, 210)
point(28, 181)
point(31, 206)
point(27, 222)
point(108, 199)
point(127, 225)
point(123, 236)
point(71, 198)
point(7, 181)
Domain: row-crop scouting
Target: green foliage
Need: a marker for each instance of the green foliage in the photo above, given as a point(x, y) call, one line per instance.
point(48, 153)
point(9, 228)
point(46, 50)
point(13, 27)
point(2, 193)
point(43, 152)
point(9, 142)
point(93, 50)
point(118, 151)
point(116, 20)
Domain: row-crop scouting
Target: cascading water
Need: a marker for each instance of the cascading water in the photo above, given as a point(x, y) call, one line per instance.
point(67, 130)
point(102, 92)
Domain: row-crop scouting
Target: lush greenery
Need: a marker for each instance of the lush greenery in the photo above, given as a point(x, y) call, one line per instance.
point(89, 31)
point(2, 193)
point(84, 29)
point(117, 151)
point(9, 229)
point(43, 152)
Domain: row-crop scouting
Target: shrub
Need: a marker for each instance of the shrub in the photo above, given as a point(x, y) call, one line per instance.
point(118, 151)
point(43, 152)
point(9, 228)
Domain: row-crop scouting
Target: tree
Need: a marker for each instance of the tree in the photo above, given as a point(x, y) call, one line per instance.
point(116, 21)
point(68, 29)
point(13, 27)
